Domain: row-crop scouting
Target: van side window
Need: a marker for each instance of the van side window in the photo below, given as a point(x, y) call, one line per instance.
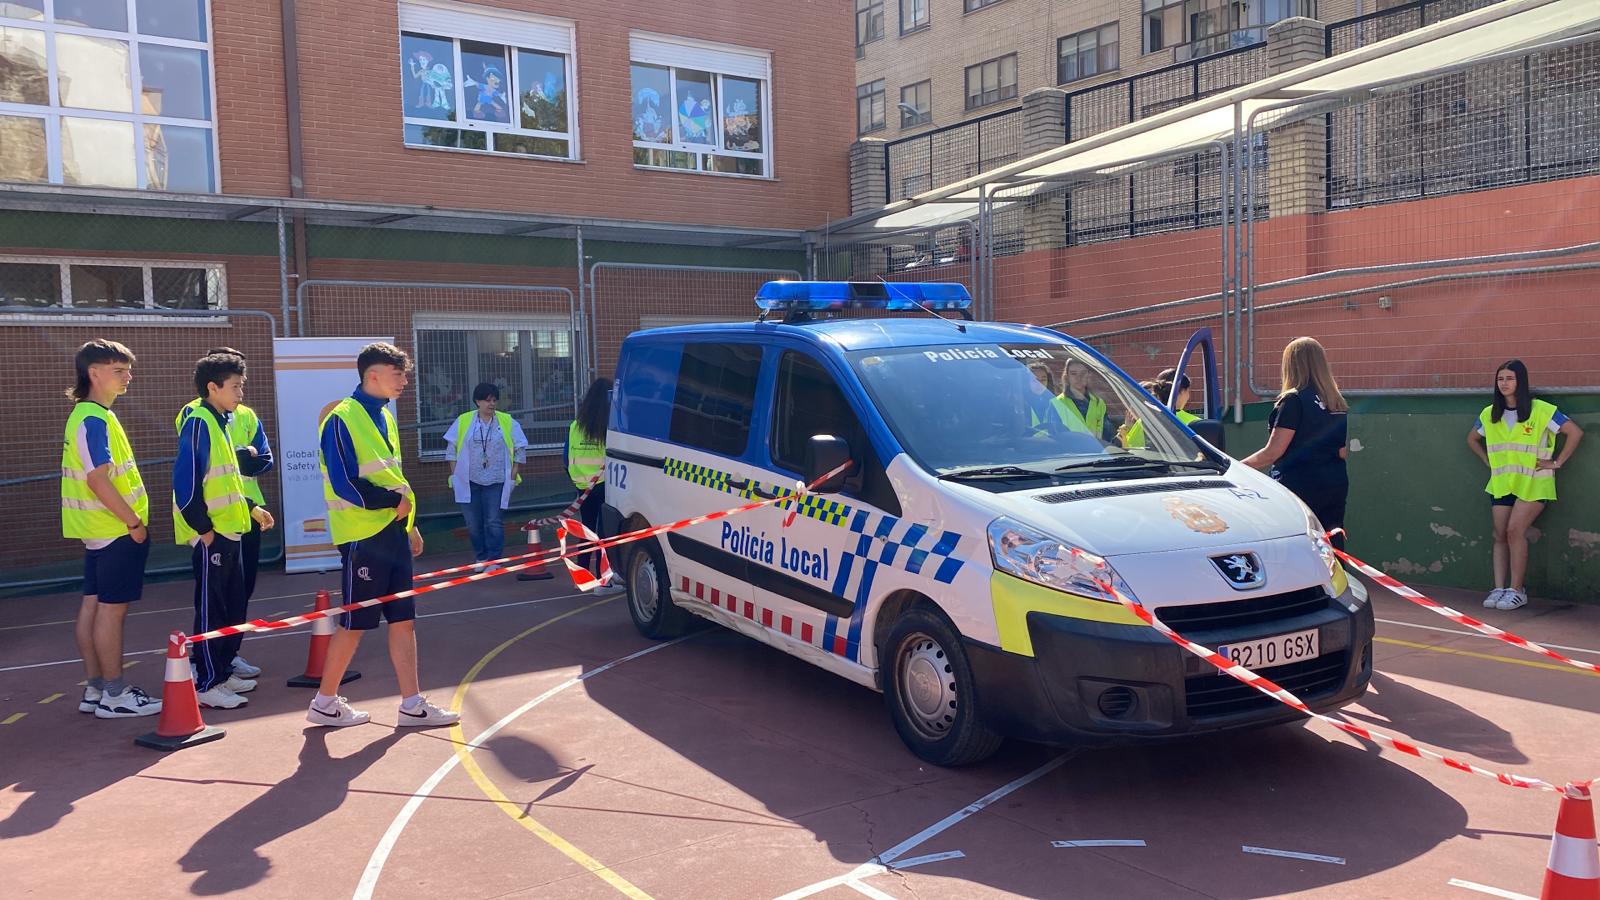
point(808, 403)
point(715, 397)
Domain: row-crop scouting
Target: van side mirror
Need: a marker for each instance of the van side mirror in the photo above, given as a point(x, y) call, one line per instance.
point(824, 453)
point(1211, 430)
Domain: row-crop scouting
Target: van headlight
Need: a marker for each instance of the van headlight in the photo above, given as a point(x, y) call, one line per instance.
point(1034, 556)
point(1319, 539)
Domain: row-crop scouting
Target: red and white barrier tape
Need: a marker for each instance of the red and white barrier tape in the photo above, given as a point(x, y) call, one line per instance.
point(568, 513)
point(583, 578)
point(579, 549)
point(1462, 618)
point(1284, 696)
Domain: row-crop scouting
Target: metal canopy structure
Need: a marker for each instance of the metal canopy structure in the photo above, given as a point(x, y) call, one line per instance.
point(1503, 28)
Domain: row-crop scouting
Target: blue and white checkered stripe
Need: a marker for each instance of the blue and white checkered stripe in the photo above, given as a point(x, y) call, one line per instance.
point(877, 546)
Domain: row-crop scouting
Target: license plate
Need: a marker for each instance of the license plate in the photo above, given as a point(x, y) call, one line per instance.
point(1273, 651)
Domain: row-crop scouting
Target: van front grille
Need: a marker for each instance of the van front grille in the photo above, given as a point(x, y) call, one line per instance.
point(1245, 612)
point(1215, 694)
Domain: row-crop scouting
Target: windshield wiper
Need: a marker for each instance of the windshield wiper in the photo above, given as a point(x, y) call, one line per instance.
point(993, 472)
point(1137, 462)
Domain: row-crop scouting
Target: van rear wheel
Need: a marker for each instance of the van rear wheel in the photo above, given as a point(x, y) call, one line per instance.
point(931, 694)
point(650, 595)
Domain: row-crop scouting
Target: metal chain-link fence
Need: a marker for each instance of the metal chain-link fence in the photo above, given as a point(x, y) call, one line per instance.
point(1458, 226)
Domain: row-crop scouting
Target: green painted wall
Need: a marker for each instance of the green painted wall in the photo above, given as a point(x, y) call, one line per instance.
point(1417, 506)
point(66, 232)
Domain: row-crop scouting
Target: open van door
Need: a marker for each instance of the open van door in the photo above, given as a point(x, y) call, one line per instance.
point(1210, 425)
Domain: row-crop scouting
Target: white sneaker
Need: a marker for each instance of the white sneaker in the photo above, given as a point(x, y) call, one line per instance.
point(219, 697)
point(1512, 600)
point(238, 684)
point(341, 716)
point(426, 715)
point(615, 587)
point(1495, 596)
point(129, 704)
point(244, 669)
point(491, 568)
point(91, 699)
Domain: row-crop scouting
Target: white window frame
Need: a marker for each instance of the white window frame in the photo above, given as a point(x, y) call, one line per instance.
point(482, 16)
point(674, 53)
point(216, 274)
point(55, 111)
point(445, 321)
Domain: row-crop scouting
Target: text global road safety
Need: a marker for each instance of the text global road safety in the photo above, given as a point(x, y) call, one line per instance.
point(742, 541)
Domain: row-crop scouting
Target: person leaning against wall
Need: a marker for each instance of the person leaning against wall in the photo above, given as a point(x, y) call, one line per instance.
point(1515, 436)
point(486, 449)
point(1309, 425)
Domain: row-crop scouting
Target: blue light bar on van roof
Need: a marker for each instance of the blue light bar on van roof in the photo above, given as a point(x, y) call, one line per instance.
point(827, 295)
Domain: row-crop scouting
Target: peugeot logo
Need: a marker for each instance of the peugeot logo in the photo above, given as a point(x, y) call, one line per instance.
point(1242, 571)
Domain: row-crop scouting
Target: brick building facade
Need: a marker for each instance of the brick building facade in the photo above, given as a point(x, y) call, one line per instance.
point(438, 143)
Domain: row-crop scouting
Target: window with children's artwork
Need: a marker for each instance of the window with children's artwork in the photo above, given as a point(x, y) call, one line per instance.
point(95, 96)
point(529, 359)
point(700, 107)
point(481, 79)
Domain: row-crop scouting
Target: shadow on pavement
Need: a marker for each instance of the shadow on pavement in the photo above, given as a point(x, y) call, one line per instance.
point(1416, 715)
point(227, 857)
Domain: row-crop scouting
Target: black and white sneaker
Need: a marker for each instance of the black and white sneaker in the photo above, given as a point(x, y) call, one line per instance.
point(91, 699)
point(426, 715)
point(339, 716)
point(131, 703)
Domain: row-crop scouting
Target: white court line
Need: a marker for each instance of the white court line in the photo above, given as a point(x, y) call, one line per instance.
point(1071, 844)
point(1488, 637)
point(259, 636)
point(1485, 889)
point(1291, 854)
point(930, 858)
point(380, 853)
point(885, 860)
point(861, 887)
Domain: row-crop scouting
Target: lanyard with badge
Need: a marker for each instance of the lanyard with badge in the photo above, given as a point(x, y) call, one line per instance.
point(482, 435)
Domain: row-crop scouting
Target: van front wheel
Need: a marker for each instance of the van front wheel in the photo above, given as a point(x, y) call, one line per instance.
point(649, 594)
point(931, 693)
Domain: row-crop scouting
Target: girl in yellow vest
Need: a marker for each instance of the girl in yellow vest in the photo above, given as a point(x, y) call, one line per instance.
point(585, 457)
point(486, 448)
point(103, 504)
point(1515, 436)
point(1131, 434)
point(1079, 409)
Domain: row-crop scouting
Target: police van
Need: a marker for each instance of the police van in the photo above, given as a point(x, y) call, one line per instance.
point(946, 566)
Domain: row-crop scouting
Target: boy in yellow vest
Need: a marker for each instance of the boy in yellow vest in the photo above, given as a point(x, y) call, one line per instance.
point(212, 513)
point(254, 453)
point(103, 504)
point(374, 525)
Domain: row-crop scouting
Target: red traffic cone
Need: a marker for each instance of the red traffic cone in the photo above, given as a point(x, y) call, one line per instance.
point(321, 633)
point(1573, 872)
point(180, 724)
point(537, 571)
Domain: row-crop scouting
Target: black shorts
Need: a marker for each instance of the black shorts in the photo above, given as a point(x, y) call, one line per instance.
point(115, 572)
point(1510, 500)
point(375, 567)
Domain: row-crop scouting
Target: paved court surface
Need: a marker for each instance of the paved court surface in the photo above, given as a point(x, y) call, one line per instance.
point(592, 762)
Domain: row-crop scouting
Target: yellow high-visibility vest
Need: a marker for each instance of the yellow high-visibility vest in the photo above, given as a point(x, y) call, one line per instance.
point(586, 457)
point(1515, 451)
point(378, 461)
point(1135, 436)
point(83, 516)
point(1096, 422)
point(242, 429)
point(222, 487)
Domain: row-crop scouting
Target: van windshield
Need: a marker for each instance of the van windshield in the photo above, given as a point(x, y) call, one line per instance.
point(1023, 411)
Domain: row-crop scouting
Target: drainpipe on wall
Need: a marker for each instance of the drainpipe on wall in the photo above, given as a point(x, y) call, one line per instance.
point(297, 168)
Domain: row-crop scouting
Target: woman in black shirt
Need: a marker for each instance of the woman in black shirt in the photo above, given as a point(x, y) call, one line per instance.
point(1305, 451)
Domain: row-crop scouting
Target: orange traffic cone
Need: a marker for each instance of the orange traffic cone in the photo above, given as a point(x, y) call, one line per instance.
point(321, 633)
point(180, 724)
point(1573, 872)
point(537, 571)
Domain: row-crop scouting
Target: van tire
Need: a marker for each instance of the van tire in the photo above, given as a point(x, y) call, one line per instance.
point(929, 689)
point(649, 594)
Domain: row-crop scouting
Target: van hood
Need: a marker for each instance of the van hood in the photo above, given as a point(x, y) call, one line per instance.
point(1124, 517)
